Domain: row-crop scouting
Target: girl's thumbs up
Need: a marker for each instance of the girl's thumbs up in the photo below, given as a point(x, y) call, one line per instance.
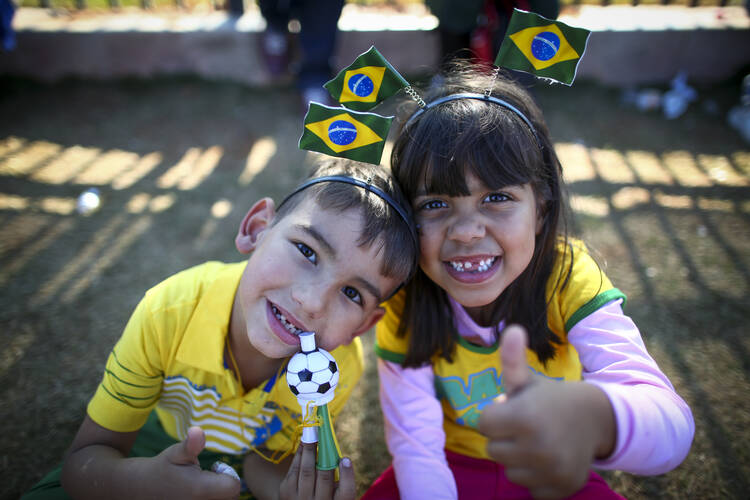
point(516, 374)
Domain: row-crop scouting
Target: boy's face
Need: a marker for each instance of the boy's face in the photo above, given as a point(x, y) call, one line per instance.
point(306, 272)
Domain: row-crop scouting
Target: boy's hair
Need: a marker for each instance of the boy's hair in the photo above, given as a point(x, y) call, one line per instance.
point(435, 151)
point(382, 223)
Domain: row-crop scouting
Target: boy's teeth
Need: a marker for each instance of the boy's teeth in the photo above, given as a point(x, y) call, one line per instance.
point(286, 324)
point(482, 266)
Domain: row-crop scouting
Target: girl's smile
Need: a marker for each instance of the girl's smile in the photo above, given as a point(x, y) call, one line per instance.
point(473, 269)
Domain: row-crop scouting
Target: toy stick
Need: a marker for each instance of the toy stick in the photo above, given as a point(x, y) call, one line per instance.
point(312, 376)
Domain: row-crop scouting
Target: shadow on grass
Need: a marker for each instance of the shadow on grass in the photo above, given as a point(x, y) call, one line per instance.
point(663, 203)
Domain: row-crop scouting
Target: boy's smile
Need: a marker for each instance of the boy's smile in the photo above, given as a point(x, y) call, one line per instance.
point(475, 246)
point(307, 272)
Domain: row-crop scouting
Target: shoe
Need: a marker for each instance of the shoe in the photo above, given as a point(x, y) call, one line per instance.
point(274, 47)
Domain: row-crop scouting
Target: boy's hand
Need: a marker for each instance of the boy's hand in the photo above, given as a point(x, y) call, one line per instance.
point(181, 467)
point(303, 481)
point(545, 433)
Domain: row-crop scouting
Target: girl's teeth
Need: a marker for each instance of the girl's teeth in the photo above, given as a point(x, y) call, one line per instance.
point(483, 265)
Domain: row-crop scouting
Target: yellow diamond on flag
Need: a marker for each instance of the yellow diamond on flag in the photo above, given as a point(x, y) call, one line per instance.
point(362, 84)
point(544, 46)
point(342, 132)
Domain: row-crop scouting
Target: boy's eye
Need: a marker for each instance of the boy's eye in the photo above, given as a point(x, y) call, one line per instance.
point(496, 197)
point(307, 252)
point(352, 294)
point(432, 205)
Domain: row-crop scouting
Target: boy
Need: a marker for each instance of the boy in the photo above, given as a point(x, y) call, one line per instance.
point(207, 347)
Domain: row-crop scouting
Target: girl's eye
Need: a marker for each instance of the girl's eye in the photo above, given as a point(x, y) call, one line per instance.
point(307, 252)
point(432, 205)
point(352, 294)
point(496, 197)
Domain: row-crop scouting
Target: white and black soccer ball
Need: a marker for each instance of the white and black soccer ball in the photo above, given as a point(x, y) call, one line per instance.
point(313, 376)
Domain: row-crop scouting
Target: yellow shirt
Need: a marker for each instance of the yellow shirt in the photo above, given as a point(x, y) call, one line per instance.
point(170, 358)
point(474, 378)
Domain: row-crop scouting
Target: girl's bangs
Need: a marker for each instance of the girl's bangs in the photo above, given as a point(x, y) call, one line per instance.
point(494, 162)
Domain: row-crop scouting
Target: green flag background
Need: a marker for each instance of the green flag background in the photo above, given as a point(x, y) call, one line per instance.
point(345, 133)
point(543, 47)
point(366, 82)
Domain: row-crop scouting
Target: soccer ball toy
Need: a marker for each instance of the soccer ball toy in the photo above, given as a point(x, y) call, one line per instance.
point(312, 374)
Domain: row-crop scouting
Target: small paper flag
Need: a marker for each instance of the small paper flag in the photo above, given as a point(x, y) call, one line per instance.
point(543, 47)
point(345, 133)
point(369, 80)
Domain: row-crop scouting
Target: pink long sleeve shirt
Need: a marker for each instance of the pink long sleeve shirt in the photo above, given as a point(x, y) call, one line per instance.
point(655, 426)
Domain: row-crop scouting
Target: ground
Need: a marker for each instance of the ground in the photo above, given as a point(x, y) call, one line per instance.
point(664, 203)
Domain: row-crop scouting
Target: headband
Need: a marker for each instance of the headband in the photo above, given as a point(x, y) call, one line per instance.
point(372, 189)
point(478, 97)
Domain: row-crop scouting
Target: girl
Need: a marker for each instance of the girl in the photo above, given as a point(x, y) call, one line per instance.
point(578, 388)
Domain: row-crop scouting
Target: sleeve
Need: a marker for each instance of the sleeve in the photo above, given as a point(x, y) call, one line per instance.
point(655, 426)
point(133, 376)
point(414, 432)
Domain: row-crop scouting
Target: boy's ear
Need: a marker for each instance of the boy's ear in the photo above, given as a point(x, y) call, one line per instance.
point(370, 322)
point(255, 222)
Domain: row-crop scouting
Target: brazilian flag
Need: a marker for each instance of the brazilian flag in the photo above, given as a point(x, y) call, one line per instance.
point(345, 133)
point(370, 79)
point(545, 48)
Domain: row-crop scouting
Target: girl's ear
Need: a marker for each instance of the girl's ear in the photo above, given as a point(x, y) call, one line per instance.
point(253, 225)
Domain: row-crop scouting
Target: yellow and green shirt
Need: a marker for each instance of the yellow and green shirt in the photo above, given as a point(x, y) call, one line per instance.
point(170, 359)
point(474, 377)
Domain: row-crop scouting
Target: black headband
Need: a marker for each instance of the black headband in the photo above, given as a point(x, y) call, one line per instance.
point(376, 191)
point(478, 97)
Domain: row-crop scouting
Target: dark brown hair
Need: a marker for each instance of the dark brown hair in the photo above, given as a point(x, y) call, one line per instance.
point(435, 152)
point(382, 223)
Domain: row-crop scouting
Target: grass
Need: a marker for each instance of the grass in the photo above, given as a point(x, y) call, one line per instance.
point(178, 161)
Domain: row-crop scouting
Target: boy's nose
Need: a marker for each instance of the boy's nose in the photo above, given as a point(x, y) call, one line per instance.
point(466, 229)
point(311, 296)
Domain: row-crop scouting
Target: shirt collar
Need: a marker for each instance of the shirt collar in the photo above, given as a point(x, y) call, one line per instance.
point(203, 343)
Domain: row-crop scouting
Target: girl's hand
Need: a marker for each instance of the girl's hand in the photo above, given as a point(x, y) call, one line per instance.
point(304, 482)
point(546, 433)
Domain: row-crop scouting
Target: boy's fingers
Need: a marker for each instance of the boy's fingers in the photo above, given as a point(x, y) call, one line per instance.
point(288, 488)
point(516, 374)
point(306, 481)
point(346, 488)
point(325, 484)
point(217, 486)
point(186, 452)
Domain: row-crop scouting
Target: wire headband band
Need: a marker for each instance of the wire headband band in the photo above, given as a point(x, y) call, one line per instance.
point(374, 190)
point(478, 97)
point(356, 182)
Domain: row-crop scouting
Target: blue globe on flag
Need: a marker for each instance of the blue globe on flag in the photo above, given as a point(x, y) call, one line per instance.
point(342, 132)
point(361, 85)
point(545, 45)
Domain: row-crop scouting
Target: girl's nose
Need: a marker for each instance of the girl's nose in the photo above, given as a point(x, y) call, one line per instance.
point(466, 229)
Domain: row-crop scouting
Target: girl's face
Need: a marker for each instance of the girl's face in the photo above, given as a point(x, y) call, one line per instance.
point(475, 246)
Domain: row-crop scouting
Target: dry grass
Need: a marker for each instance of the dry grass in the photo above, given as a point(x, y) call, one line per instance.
point(665, 203)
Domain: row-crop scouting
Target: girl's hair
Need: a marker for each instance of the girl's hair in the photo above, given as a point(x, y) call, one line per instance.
point(382, 224)
point(434, 153)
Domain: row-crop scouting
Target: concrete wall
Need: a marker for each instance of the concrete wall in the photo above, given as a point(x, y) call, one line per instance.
point(622, 50)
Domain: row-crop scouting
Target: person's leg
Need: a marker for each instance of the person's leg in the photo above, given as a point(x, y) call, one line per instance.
point(274, 41)
point(318, 35)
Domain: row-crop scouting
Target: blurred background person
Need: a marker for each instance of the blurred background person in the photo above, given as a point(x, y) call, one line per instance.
point(318, 30)
point(474, 29)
